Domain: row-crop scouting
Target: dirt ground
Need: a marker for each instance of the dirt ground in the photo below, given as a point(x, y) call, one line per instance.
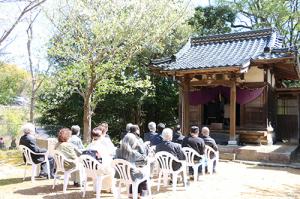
point(232, 181)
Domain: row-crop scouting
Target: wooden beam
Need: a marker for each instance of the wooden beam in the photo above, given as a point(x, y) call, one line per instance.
point(186, 106)
point(216, 70)
point(232, 134)
point(208, 82)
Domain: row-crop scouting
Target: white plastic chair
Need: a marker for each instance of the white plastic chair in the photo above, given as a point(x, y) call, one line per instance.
point(211, 157)
point(28, 160)
point(123, 167)
point(93, 169)
point(59, 159)
point(165, 160)
point(190, 155)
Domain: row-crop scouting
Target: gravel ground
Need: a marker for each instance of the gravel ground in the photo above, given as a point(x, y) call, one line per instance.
point(232, 181)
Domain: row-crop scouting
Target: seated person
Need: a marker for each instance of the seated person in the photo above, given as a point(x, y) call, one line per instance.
point(135, 129)
point(102, 153)
point(210, 142)
point(177, 135)
point(68, 150)
point(195, 142)
point(106, 139)
point(127, 151)
point(29, 140)
point(171, 147)
point(127, 130)
point(75, 139)
point(149, 135)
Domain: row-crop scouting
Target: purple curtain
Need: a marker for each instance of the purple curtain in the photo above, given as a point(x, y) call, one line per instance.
point(206, 95)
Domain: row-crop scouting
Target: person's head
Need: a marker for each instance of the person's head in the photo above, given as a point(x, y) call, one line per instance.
point(129, 140)
point(167, 134)
point(194, 131)
point(75, 130)
point(64, 135)
point(152, 126)
point(28, 128)
point(105, 126)
point(205, 131)
point(97, 132)
point(128, 127)
point(160, 127)
point(135, 130)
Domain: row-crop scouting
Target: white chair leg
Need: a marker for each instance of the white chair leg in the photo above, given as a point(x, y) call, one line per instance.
point(66, 181)
point(195, 174)
point(165, 176)
point(174, 181)
point(149, 187)
point(159, 179)
point(48, 169)
point(84, 187)
point(185, 178)
point(33, 171)
point(114, 189)
point(98, 186)
point(25, 171)
point(94, 184)
point(134, 190)
point(54, 182)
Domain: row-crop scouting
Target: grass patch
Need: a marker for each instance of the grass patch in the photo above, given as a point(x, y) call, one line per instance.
point(12, 157)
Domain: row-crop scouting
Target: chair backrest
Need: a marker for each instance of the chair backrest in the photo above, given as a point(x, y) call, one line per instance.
point(51, 145)
point(190, 155)
point(123, 167)
point(59, 159)
point(210, 153)
point(92, 166)
point(165, 160)
point(27, 153)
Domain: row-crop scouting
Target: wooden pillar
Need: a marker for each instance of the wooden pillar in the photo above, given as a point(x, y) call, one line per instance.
point(185, 106)
point(232, 135)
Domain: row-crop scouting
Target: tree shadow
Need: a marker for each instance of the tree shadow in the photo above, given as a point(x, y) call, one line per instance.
point(290, 191)
point(10, 181)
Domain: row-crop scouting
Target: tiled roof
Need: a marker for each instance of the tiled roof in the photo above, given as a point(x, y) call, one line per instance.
point(235, 49)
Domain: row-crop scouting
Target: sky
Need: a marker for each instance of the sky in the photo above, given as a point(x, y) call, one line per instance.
point(16, 50)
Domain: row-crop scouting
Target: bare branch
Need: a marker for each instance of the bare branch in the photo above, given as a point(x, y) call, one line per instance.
point(32, 5)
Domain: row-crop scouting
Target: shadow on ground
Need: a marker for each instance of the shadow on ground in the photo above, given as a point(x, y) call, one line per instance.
point(285, 191)
point(10, 181)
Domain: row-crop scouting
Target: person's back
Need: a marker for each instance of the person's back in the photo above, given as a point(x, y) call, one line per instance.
point(75, 140)
point(194, 141)
point(207, 139)
point(149, 135)
point(171, 147)
point(177, 135)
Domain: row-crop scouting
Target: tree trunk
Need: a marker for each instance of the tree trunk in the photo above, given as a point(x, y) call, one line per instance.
point(87, 118)
point(32, 104)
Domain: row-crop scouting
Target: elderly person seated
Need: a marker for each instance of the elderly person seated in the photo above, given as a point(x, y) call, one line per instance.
point(135, 130)
point(127, 130)
point(177, 135)
point(171, 147)
point(151, 133)
point(68, 150)
point(128, 151)
point(75, 139)
point(210, 142)
point(29, 140)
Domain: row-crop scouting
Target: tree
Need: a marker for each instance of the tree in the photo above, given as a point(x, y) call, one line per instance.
point(281, 14)
point(28, 5)
point(97, 39)
point(36, 77)
point(13, 81)
point(212, 20)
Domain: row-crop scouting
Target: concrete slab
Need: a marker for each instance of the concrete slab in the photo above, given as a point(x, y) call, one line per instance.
point(280, 153)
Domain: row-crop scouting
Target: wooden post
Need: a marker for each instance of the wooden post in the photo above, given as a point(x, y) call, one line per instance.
point(185, 106)
point(232, 137)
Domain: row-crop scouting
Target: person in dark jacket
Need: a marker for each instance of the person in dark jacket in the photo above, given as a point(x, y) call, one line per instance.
point(152, 132)
point(28, 140)
point(171, 147)
point(177, 135)
point(210, 142)
point(194, 141)
point(207, 139)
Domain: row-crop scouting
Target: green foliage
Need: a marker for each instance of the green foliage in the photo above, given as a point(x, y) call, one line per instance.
point(212, 20)
point(281, 14)
point(12, 119)
point(100, 46)
point(13, 81)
